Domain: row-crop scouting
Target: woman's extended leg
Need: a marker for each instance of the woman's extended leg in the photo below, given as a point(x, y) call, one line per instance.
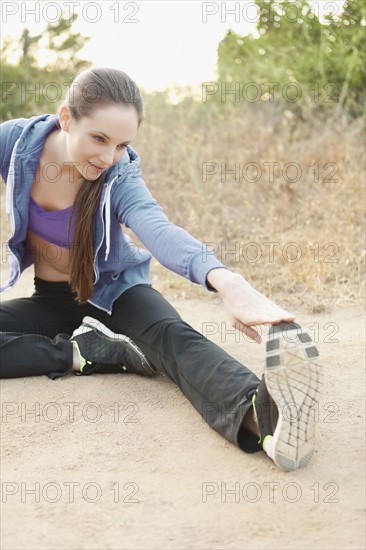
point(224, 391)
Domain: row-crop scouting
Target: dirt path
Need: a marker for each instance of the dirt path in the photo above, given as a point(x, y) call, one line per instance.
point(113, 462)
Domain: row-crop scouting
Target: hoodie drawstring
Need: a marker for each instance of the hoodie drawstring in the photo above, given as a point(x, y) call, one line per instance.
point(107, 206)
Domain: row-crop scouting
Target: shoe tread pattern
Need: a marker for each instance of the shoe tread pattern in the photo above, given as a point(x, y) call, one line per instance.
point(293, 379)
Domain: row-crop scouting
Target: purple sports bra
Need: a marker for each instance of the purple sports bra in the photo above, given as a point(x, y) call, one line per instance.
point(51, 226)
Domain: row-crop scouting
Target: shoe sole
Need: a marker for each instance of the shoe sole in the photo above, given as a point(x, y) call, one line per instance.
point(293, 378)
point(114, 337)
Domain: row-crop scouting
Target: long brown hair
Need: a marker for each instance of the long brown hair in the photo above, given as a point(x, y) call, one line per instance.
point(92, 89)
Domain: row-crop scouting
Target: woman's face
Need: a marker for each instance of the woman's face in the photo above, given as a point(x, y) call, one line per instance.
point(97, 142)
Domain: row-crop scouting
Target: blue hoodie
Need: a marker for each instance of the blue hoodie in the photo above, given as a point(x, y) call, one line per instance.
point(118, 263)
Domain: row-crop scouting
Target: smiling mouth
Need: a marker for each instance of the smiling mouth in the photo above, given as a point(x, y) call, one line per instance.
point(96, 166)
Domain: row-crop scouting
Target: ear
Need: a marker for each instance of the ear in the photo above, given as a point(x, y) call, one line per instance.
point(64, 117)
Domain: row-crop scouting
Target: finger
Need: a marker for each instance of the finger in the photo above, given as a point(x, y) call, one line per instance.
point(264, 321)
point(285, 315)
point(271, 319)
point(249, 331)
point(288, 317)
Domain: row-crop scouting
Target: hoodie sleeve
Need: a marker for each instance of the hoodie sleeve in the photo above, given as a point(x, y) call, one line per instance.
point(9, 134)
point(170, 244)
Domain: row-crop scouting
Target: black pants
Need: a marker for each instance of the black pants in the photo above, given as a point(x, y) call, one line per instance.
point(34, 334)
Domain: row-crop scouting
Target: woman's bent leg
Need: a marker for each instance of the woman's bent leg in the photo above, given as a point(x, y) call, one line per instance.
point(34, 355)
point(34, 332)
point(218, 386)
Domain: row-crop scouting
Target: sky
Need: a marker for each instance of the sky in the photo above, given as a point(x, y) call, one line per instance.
point(157, 43)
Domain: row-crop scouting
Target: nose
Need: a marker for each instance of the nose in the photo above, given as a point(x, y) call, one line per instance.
point(108, 158)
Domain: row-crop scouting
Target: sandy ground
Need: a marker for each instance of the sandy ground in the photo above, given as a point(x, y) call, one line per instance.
point(122, 462)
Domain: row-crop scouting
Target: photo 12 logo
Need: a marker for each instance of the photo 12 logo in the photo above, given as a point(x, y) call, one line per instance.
point(269, 171)
point(270, 491)
point(250, 12)
point(253, 92)
point(69, 491)
point(53, 12)
point(69, 411)
point(271, 252)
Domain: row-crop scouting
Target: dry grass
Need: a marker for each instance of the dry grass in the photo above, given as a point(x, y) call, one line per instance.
point(324, 218)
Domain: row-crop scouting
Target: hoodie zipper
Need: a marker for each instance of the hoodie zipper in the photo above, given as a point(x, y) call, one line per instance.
point(96, 270)
point(10, 205)
point(100, 307)
point(106, 197)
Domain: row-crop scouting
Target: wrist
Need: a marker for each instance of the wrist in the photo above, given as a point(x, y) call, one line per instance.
point(219, 278)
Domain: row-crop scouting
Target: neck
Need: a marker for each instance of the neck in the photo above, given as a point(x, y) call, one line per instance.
point(57, 150)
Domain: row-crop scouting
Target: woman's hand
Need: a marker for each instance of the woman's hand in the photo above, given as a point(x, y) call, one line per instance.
point(245, 306)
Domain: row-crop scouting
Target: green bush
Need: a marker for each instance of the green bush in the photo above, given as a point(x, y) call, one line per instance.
point(316, 67)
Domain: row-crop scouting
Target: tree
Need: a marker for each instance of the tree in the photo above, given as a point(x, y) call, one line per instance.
point(349, 55)
point(27, 88)
point(311, 65)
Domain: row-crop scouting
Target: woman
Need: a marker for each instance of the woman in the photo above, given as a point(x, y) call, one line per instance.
point(72, 179)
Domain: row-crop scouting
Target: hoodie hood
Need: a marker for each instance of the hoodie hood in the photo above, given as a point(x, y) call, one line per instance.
point(35, 132)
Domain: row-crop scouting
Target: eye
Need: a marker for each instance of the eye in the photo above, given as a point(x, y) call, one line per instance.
point(121, 145)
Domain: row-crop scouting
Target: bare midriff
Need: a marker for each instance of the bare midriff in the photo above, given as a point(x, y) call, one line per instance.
point(51, 262)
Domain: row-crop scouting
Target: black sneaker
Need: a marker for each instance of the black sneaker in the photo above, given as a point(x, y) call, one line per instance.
point(103, 351)
point(285, 401)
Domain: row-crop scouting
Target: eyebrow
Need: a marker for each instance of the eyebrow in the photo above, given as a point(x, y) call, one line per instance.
point(105, 135)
